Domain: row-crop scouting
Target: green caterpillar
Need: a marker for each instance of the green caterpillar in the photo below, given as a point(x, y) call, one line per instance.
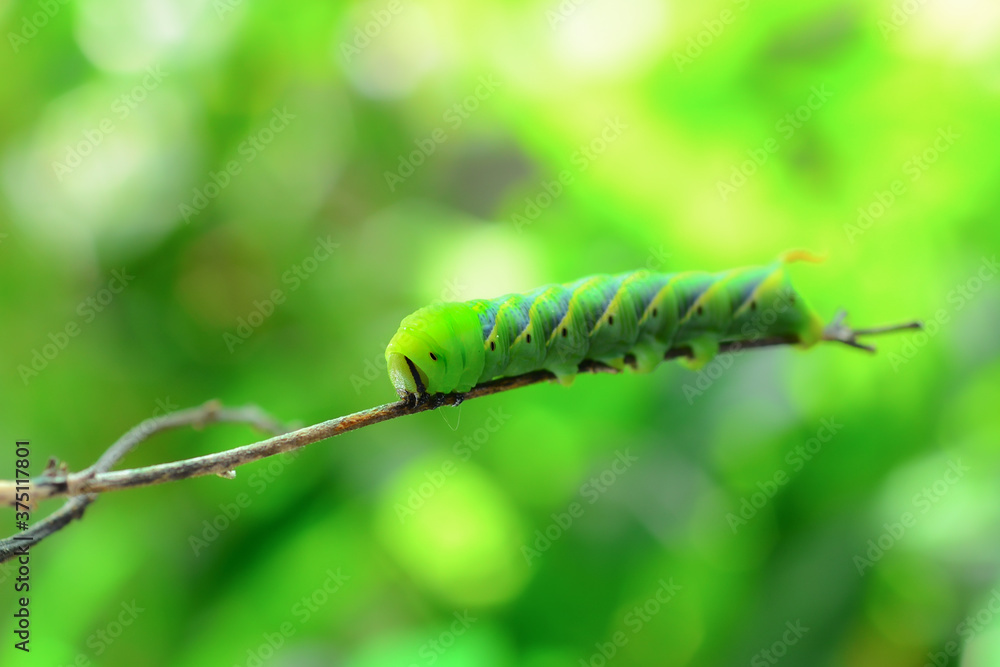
point(628, 319)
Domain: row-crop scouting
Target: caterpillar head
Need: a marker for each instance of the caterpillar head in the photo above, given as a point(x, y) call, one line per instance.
point(438, 349)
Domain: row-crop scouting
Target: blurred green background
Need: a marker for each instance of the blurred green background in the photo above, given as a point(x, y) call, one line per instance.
point(235, 200)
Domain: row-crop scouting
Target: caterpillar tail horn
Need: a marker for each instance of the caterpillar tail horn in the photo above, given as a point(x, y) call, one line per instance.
point(801, 255)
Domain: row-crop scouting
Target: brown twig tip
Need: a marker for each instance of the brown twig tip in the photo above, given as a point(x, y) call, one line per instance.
point(838, 331)
point(874, 331)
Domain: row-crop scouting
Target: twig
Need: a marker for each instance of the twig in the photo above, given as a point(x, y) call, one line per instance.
point(839, 331)
point(49, 486)
point(83, 486)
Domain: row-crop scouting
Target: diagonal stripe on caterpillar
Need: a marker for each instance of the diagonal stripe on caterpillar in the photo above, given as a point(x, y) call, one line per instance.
point(640, 315)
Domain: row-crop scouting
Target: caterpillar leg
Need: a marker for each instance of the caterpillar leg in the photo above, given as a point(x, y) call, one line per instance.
point(565, 378)
point(565, 372)
point(812, 331)
point(618, 363)
point(703, 350)
point(647, 356)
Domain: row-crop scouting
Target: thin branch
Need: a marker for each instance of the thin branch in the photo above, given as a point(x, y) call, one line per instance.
point(839, 331)
point(84, 486)
point(49, 486)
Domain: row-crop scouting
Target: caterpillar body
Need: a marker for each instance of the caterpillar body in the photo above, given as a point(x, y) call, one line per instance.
point(626, 319)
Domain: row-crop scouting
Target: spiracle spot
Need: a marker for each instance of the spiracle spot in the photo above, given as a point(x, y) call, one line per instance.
point(527, 338)
point(433, 357)
point(564, 332)
point(493, 346)
point(656, 311)
point(753, 305)
point(700, 310)
point(611, 319)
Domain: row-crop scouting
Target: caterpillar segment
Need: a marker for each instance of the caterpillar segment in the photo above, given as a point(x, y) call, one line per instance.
point(640, 315)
